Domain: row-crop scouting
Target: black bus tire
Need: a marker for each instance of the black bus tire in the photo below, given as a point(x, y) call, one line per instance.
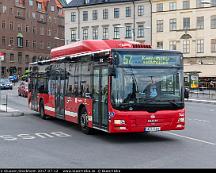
point(83, 122)
point(42, 112)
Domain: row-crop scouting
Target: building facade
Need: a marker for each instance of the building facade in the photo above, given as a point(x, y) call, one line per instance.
point(108, 19)
point(188, 26)
point(28, 31)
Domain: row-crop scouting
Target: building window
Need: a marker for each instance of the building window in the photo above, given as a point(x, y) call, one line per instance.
point(27, 60)
point(86, 1)
point(3, 40)
point(213, 2)
point(73, 35)
point(95, 33)
point(60, 11)
point(105, 33)
point(213, 22)
point(12, 57)
point(27, 43)
point(186, 46)
point(4, 9)
point(33, 15)
point(172, 45)
point(159, 45)
point(20, 3)
point(213, 45)
point(11, 26)
point(128, 11)
point(85, 15)
point(73, 16)
point(173, 24)
point(41, 30)
point(49, 33)
point(34, 44)
point(52, 8)
point(186, 23)
point(85, 34)
point(199, 3)
point(200, 22)
point(186, 4)
point(3, 24)
point(19, 40)
point(140, 10)
point(34, 29)
point(116, 33)
point(159, 25)
point(20, 57)
point(11, 41)
point(172, 6)
point(159, 7)
point(31, 3)
point(116, 12)
point(200, 46)
point(94, 15)
point(105, 13)
point(19, 27)
point(128, 33)
point(27, 28)
point(39, 6)
point(140, 33)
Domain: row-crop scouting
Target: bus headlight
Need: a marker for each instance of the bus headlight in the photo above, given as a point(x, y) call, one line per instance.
point(119, 122)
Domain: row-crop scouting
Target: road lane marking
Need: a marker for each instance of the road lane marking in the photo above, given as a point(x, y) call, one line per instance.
point(190, 138)
point(204, 121)
point(26, 136)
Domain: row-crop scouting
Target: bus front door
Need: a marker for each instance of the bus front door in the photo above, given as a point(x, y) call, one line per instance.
point(34, 99)
point(59, 97)
point(100, 92)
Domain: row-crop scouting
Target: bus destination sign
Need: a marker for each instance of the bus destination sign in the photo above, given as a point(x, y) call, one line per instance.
point(150, 60)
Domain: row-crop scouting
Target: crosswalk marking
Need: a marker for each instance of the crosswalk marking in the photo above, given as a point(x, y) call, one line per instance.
point(9, 109)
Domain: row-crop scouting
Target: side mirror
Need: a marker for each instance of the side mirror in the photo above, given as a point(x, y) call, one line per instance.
point(111, 70)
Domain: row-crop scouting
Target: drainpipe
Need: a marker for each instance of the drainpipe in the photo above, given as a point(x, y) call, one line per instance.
point(134, 20)
point(78, 16)
point(151, 20)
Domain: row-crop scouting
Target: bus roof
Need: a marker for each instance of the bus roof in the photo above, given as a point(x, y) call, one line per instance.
point(88, 46)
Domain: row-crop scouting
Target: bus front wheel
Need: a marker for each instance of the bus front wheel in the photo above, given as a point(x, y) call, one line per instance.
point(83, 121)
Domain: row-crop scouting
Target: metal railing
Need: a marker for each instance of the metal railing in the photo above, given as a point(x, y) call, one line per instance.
point(203, 93)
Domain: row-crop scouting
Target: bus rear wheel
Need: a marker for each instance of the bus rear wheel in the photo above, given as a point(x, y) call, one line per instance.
point(42, 112)
point(83, 122)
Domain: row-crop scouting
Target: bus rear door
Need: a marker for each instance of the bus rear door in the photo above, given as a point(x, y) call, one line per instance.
point(59, 96)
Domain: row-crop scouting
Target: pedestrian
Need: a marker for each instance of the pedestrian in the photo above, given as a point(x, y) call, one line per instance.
point(186, 93)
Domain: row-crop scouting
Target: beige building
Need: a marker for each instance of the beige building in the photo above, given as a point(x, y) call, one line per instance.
point(108, 19)
point(188, 26)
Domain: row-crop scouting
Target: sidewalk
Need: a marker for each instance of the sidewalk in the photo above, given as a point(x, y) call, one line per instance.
point(206, 96)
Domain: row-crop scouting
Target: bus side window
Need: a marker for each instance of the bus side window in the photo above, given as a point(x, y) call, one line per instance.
point(70, 70)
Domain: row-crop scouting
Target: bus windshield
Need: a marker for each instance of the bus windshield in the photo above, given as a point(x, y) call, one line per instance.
point(143, 88)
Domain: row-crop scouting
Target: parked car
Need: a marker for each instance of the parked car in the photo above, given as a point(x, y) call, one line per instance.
point(23, 89)
point(13, 78)
point(5, 84)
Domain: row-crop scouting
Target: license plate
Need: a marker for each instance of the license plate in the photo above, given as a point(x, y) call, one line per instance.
point(152, 129)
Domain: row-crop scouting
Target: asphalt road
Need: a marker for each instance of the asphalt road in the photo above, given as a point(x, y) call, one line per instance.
point(30, 142)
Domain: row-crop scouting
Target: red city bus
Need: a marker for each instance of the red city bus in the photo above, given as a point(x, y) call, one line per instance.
point(110, 85)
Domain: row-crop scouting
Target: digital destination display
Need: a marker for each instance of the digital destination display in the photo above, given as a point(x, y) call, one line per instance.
point(150, 60)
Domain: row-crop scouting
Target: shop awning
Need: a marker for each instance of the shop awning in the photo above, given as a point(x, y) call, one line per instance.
point(206, 70)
